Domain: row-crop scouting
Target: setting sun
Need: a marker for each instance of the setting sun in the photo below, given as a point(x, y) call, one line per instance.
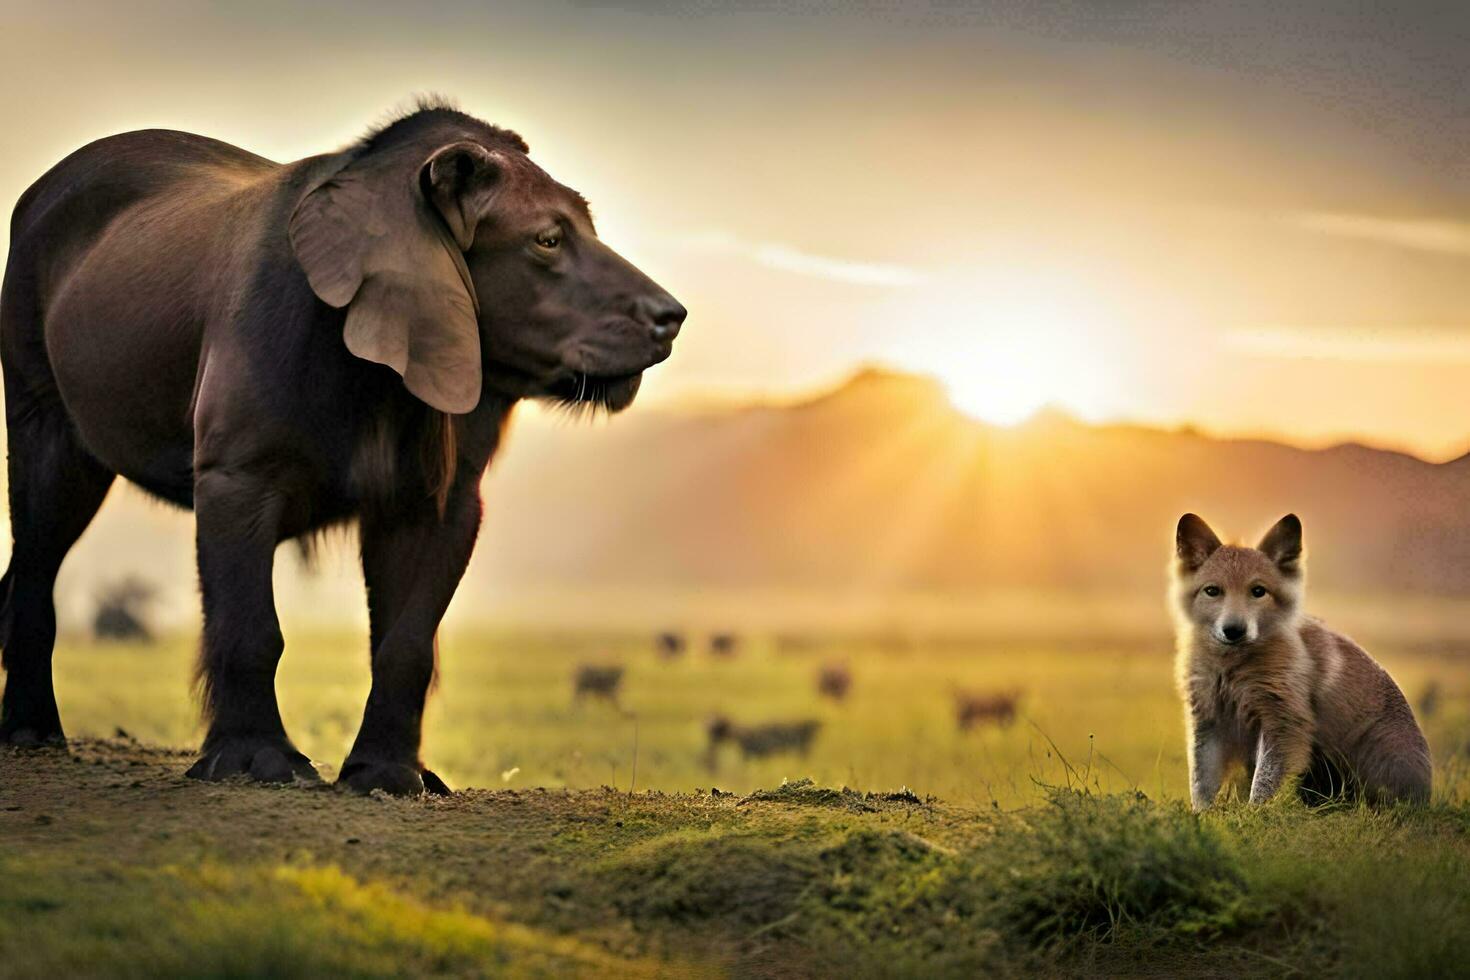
point(1005, 378)
point(1019, 346)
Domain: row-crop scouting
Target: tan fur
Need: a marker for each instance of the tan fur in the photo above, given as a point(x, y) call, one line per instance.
point(1279, 692)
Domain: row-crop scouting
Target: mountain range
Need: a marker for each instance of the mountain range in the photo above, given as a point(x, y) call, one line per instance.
point(882, 484)
point(876, 487)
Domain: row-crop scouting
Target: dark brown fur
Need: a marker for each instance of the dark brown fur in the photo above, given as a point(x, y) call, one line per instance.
point(285, 348)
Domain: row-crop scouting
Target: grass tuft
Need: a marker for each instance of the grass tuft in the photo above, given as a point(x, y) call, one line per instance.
point(1089, 868)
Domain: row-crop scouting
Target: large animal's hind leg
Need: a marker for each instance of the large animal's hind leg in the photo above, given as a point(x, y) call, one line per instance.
point(56, 487)
point(237, 519)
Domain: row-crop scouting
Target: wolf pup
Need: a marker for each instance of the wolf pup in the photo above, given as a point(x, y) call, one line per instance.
point(1267, 686)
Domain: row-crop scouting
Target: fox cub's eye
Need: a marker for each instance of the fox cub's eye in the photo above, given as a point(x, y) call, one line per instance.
point(1213, 591)
point(1258, 591)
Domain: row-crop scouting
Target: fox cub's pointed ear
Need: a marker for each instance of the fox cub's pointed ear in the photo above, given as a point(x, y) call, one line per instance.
point(1194, 542)
point(1283, 543)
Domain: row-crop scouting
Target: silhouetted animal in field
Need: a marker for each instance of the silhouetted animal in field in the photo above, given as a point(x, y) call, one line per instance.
point(1429, 700)
point(284, 348)
point(723, 645)
point(598, 680)
point(670, 646)
point(121, 611)
point(759, 741)
point(834, 681)
point(974, 708)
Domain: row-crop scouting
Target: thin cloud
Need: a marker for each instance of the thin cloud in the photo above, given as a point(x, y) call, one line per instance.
point(1419, 234)
point(788, 258)
point(1401, 346)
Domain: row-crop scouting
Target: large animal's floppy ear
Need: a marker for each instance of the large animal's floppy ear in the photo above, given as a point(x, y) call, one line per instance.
point(385, 237)
point(1283, 544)
point(1194, 542)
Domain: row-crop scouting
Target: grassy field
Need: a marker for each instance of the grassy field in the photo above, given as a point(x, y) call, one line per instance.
point(1059, 845)
point(504, 713)
point(114, 865)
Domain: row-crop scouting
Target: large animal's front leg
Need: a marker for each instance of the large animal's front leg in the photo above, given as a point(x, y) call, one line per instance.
point(1282, 753)
point(412, 565)
point(238, 520)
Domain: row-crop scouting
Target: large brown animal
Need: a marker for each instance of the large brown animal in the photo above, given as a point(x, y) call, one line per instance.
point(287, 347)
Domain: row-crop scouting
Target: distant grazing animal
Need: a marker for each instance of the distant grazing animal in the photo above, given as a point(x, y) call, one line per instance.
point(597, 681)
point(723, 644)
point(122, 611)
point(670, 645)
point(834, 681)
point(1429, 700)
point(285, 348)
point(972, 708)
point(1267, 686)
point(760, 741)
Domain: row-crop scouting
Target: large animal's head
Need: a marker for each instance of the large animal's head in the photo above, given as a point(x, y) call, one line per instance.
point(464, 266)
point(1232, 596)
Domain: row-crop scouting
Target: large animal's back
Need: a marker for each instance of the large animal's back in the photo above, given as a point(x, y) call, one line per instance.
point(91, 185)
point(118, 259)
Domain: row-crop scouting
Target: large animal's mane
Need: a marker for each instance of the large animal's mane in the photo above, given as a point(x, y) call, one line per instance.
point(427, 113)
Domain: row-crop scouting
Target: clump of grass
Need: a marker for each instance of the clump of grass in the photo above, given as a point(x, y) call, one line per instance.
point(1080, 872)
point(1372, 892)
point(887, 904)
point(810, 898)
point(1089, 868)
point(739, 882)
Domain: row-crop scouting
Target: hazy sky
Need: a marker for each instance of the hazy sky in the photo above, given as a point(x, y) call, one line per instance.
point(1246, 215)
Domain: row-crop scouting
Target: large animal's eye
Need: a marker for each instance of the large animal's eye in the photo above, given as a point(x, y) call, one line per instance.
point(1258, 591)
point(1213, 591)
point(549, 239)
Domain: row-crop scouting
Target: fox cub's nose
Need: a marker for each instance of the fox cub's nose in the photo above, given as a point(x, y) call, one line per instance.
point(1233, 632)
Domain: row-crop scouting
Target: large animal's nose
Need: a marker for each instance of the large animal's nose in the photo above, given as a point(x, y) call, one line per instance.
point(1233, 632)
point(663, 314)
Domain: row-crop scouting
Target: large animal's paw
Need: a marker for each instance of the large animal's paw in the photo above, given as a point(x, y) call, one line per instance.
point(395, 778)
point(31, 738)
point(264, 760)
point(23, 733)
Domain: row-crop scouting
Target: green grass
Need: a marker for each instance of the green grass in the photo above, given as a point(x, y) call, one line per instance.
point(503, 713)
point(148, 874)
point(61, 918)
point(1058, 846)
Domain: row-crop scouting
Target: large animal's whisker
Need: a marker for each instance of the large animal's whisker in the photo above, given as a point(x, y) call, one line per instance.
point(588, 396)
